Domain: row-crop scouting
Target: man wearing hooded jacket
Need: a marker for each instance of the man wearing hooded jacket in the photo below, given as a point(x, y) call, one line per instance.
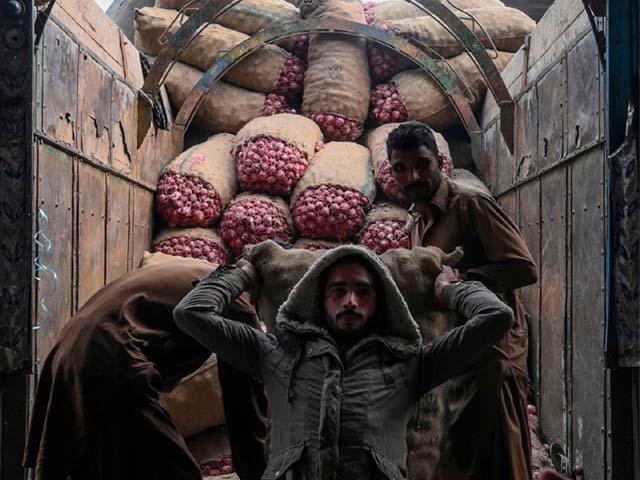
point(346, 362)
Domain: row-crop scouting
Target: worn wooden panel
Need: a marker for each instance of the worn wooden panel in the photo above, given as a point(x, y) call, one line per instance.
point(123, 127)
point(512, 77)
point(132, 65)
point(551, 111)
point(587, 313)
point(91, 231)
point(94, 97)
point(118, 222)
point(60, 85)
point(553, 283)
point(529, 213)
point(487, 169)
point(56, 198)
point(527, 135)
point(155, 150)
point(142, 223)
point(505, 164)
point(583, 88)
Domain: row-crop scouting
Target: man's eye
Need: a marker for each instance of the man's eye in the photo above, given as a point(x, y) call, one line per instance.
point(339, 291)
point(397, 168)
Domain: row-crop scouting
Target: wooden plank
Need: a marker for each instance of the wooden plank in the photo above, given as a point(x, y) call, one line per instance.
point(553, 284)
point(94, 115)
point(142, 223)
point(91, 231)
point(529, 216)
point(118, 223)
point(505, 164)
point(588, 424)
point(487, 169)
point(552, 111)
point(527, 135)
point(583, 99)
point(132, 65)
point(123, 127)
point(512, 77)
point(154, 153)
point(56, 198)
point(60, 85)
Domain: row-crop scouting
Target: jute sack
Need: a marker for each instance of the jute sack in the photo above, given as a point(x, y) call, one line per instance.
point(199, 243)
point(342, 164)
point(463, 181)
point(388, 10)
point(312, 244)
point(381, 212)
point(226, 108)
point(196, 403)
point(295, 130)
point(248, 16)
point(424, 100)
point(212, 161)
point(260, 71)
point(506, 27)
point(385, 227)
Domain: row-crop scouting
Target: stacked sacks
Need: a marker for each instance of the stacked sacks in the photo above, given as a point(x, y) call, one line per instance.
point(199, 243)
point(414, 95)
point(332, 198)
point(253, 218)
point(336, 82)
point(198, 184)
point(272, 153)
point(381, 13)
point(385, 228)
point(271, 69)
point(376, 142)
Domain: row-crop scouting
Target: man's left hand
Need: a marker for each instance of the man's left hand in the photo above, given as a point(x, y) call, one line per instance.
point(445, 278)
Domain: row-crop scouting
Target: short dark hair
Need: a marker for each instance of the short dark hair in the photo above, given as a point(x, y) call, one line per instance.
point(411, 135)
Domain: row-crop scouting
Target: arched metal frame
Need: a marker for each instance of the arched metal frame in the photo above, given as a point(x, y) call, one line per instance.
point(214, 8)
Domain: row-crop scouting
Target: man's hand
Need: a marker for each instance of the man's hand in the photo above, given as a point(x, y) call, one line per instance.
point(253, 288)
point(445, 278)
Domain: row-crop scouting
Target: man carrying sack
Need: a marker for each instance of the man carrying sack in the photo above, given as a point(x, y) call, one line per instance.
point(346, 361)
point(97, 413)
point(489, 436)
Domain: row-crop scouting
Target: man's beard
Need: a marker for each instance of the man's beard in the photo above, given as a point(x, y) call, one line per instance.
point(422, 191)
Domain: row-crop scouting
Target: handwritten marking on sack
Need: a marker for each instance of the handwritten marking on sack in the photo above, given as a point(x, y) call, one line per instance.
point(193, 161)
point(335, 73)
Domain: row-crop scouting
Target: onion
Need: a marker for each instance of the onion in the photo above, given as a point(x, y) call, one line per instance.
point(192, 247)
point(187, 201)
point(384, 235)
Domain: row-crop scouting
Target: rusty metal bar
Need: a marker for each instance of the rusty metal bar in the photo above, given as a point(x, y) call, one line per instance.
point(400, 45)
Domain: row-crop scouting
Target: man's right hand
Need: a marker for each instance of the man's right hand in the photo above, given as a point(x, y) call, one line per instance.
point(444, 279)
point(255, 280)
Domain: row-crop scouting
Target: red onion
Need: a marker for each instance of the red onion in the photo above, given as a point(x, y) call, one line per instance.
point(187, 201)
point(330, 213)
point(388, 184)
point(224, 466)
point(267, 164)
point(319, 146)
point(336, 127)
point(250, 221)
point(192, 247)
point(301, 47)
point(275, 103)
point(382, 63)
point(291, 78)
point(384, 235)
point(386, 105)
point(369, 12)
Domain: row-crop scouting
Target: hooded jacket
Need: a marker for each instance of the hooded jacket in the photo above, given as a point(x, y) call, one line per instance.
point(333, 417)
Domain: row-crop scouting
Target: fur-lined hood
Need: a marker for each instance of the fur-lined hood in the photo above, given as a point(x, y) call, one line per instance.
point(302, 312)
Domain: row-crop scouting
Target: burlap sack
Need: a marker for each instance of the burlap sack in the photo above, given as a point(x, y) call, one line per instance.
point(507, 27)
point(248, 16)
point(342, 164)
point(464, 181)
point(386, 211)
point(213, 162)
point(277, 202)
point(196, 403)
point(295, 130)
point(313, 244)
point(203, 233)
point(376, 142)
point(398, 9)
point(259, 71)
point(424, 99)
point(226, 108)
point(155, 258)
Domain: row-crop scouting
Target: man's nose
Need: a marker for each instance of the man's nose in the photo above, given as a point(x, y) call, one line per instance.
point(414, 174)
point(350, 300)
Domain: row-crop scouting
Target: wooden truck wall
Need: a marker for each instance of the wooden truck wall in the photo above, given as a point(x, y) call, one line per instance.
point(91, 181)
point(554, 187)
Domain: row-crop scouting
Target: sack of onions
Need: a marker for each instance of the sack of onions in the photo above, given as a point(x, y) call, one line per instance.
point(226, 108)
point(332, 198)
point(376, 142)
point(379, 13)
point(199, 243)
point(385, 227)
point(253, 218)
point(272, 153)
point(314, 245)
point(414, 95)
point(337, 82)
point(196, 186)
point(270, 69)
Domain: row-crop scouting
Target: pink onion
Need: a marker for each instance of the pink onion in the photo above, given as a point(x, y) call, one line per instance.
point(388, 183)
point(336, 127)
point(386, 106)
point(187, 201)
point(275, 103)
point(192, 247)
point(224, 466)
point(384, 235)
point(291, 78)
